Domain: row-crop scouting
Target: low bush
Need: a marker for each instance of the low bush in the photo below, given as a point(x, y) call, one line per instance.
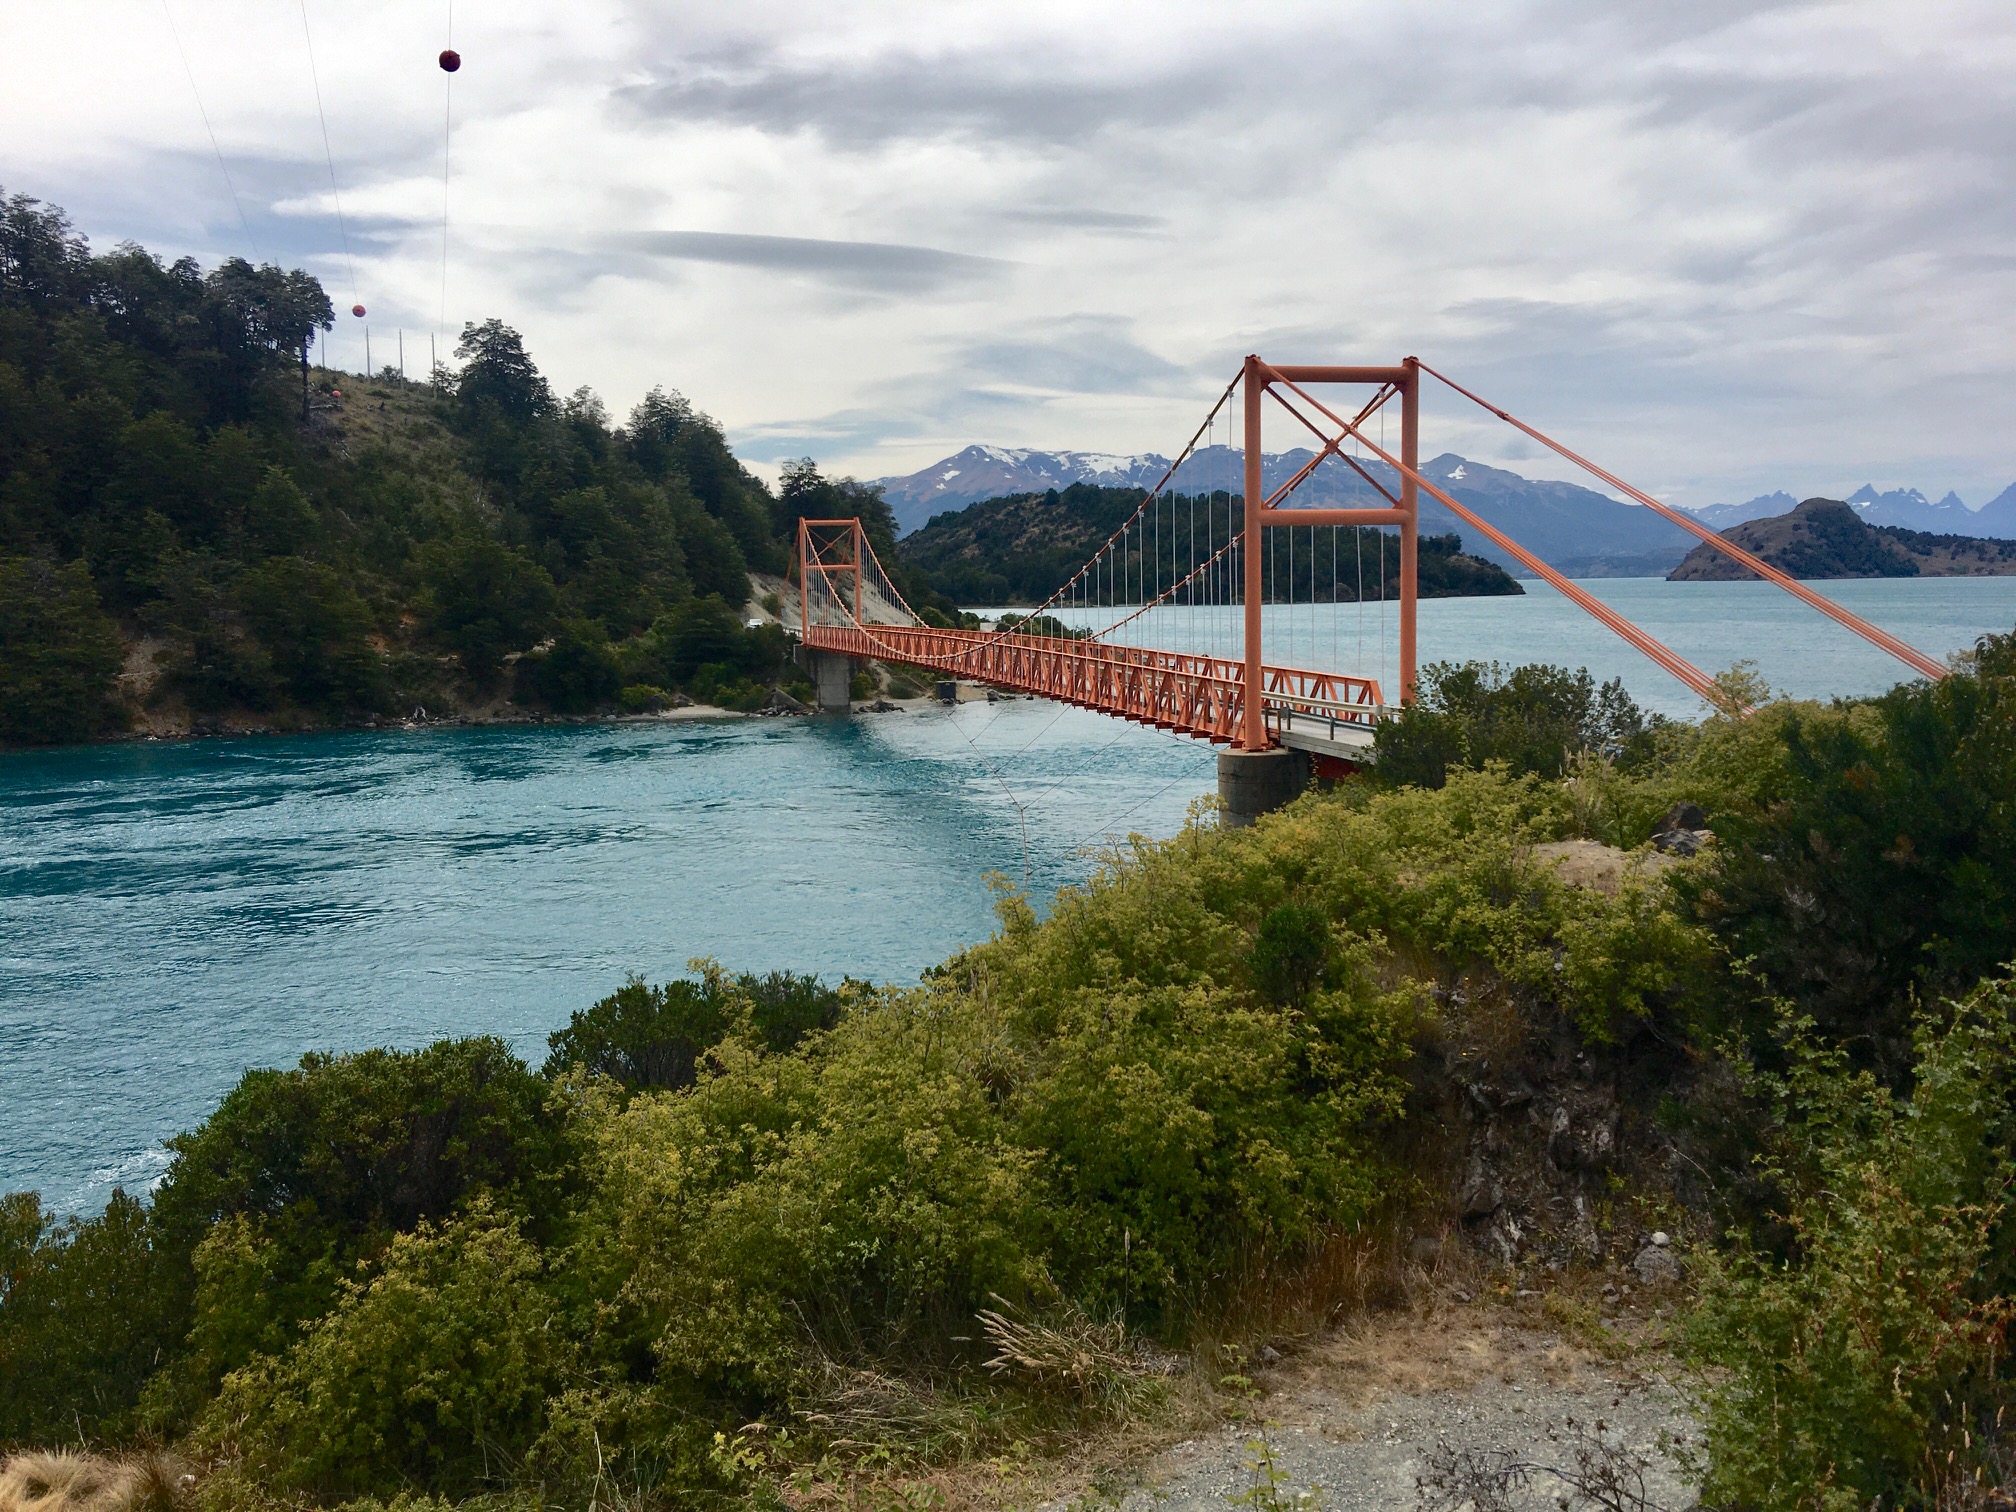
point(1534, 719)
point(1880, 862)
point(1865, 1362)
point(88, 1311)
point(642, 698)
point(653, 1038)
point(432, 1369)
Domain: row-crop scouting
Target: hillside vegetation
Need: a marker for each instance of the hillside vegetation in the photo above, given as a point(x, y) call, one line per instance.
point(1023, 548)
point(182, 500)
point(763, 1241)
point(1825, 538)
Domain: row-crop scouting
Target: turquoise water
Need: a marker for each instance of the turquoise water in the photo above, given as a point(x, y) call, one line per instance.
point(173, 913)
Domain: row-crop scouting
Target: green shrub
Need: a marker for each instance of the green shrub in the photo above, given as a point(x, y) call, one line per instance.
point(642, 698)
point(653, 1037)
point(863, 1197)
point(1290, 954)
point(87, 1310)
point(59, 655)
point(1535, 719)
point(720, 686)
point(432, 1370)
point(1847, 1369)
point(300, 1174)
point(1881, 860)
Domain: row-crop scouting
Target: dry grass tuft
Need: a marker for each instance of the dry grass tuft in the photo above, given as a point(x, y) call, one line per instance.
point(1064, 1348)
point(66, 1482)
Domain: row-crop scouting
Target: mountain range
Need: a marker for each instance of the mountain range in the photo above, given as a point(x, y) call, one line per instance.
point(1576, 529)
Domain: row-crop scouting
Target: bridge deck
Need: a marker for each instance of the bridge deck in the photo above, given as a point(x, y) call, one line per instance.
point(1326, 712)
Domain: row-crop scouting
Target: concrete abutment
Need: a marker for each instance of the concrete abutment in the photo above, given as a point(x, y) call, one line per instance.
point(830, 673)
point(1252, 783)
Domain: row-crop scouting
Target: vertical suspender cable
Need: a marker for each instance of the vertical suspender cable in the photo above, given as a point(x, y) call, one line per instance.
point(328, 153)
point(1333, 598)
point(447, 138)
point(1382, 609)
point(210, 131)
point(1358, 545)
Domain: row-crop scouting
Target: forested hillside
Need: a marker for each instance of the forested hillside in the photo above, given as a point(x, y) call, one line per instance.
point(183, 499)
point(1021, 549)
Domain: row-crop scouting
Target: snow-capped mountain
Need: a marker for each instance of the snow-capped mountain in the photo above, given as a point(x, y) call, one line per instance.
point(1562, 522)
point(1575, 528)
point(1898, 506)
point(1763, 507)
point(1997, 517)
point(989, 472)
point(1912, 510)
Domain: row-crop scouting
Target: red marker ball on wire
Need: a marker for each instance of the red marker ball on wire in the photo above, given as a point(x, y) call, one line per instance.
point(450, 60)
point(358, 311)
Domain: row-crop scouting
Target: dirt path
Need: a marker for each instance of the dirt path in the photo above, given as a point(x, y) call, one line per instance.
point(1356, 1418)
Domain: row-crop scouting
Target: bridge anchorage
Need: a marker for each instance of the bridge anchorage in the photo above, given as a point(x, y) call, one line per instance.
point(1231, 615)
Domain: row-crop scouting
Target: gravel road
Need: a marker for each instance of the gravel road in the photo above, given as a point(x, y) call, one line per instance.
point(1352, 1420)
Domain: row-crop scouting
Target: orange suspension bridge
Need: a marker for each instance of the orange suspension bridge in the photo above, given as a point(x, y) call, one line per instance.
point(1203, 614)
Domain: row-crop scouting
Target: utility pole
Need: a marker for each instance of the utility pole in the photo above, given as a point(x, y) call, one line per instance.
point(402, 354)
point(304, 374)
point(367, 352)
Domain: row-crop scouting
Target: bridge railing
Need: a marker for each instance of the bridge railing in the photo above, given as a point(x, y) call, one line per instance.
point(1172, 690)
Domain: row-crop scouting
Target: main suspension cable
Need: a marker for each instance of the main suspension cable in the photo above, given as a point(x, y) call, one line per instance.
point(1910, 655)
point(315, 78)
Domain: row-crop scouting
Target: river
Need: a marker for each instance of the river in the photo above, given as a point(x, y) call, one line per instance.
point(172, 913)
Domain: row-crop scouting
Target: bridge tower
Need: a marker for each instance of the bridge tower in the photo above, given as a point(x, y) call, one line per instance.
point(833, 549)
point(1259, 774)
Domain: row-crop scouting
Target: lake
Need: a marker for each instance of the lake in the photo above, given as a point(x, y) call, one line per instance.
point(172, 913)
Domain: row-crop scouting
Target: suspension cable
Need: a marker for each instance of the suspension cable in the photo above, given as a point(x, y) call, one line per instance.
point(447, 137)
point(1653, 648)
point(211, 131)
point(1910, 655)
point(315, 77)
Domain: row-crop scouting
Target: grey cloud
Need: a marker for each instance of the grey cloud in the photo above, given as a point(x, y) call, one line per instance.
point(894, 98)
point(1089, 220)
point(883, 267)
point(1083, 354)
point(936, 415)
point(980, 389)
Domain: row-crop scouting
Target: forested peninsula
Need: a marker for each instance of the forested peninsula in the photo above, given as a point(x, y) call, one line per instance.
point(1022, 548)
point(1825, 538)
point(198, 530)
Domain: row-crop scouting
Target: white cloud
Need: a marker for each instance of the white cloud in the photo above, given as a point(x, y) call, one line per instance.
point(1725, 247)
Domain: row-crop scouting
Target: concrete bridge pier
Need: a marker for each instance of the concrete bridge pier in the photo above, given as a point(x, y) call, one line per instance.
point(830, 673)
point(1252, 783)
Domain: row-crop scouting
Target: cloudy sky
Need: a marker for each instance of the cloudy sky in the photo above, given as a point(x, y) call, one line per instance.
point(1725, 247)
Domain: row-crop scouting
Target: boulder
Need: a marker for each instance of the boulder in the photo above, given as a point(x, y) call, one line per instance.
point(1657, 1265)
point(1684, 815)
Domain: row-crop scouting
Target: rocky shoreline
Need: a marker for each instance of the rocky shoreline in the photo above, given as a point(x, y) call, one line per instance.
point(204, 727)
